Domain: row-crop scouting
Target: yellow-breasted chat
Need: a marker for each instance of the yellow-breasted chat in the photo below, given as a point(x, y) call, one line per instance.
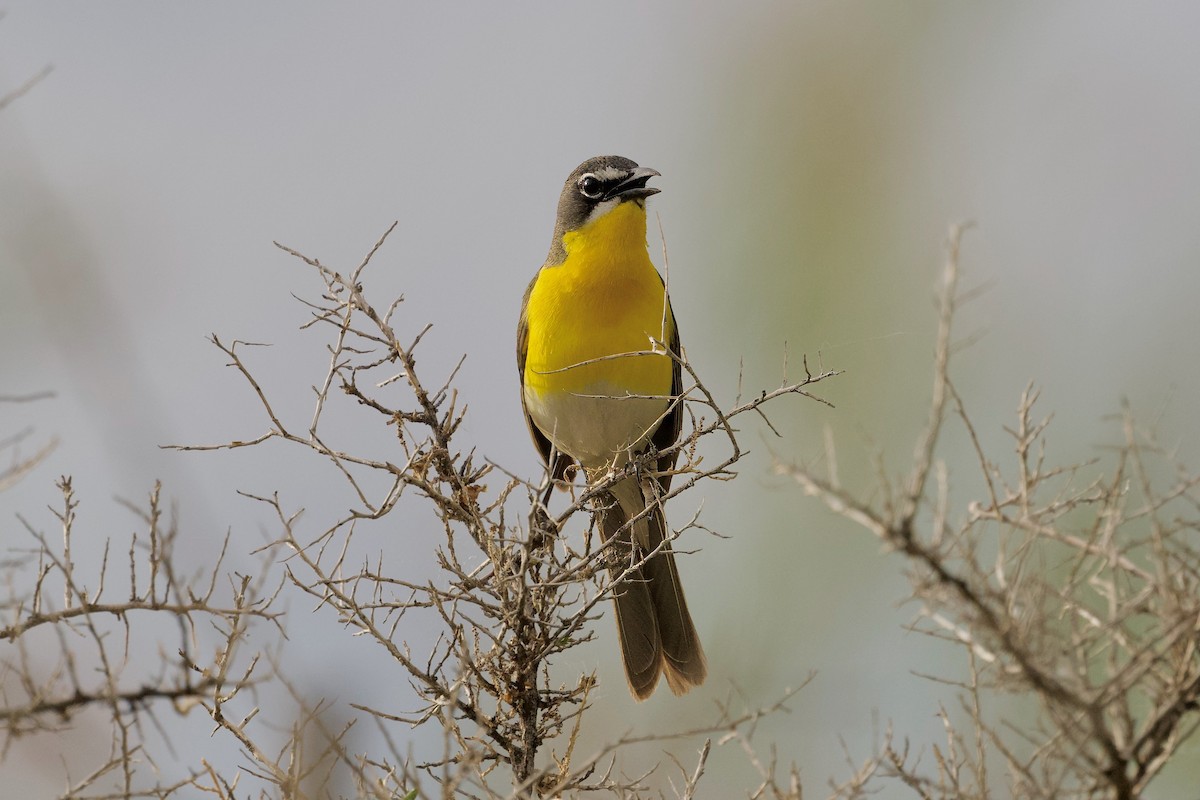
point(599, 387)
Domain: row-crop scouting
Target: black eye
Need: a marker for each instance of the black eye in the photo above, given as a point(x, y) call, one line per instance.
point(591, 187)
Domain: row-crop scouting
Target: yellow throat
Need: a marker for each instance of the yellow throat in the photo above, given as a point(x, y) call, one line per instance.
point(604, 299)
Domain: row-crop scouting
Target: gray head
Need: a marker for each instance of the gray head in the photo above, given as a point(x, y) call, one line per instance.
point(597, 186)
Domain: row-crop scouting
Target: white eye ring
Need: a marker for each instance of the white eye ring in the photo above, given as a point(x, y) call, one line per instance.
point(590, 186)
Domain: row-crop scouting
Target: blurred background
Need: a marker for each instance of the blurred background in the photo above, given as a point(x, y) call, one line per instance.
point(813, 156)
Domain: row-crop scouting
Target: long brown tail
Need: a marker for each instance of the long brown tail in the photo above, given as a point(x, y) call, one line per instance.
point(653, 623)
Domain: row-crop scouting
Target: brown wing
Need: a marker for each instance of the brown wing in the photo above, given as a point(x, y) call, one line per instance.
point(668, 431)
point(558, 461)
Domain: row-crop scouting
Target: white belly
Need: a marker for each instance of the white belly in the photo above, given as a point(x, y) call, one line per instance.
point(600, 428)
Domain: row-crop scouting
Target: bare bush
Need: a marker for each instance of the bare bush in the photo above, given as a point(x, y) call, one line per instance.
point(513, 593)
point(1078, 592)
point(72, 649)
point(1082, 593)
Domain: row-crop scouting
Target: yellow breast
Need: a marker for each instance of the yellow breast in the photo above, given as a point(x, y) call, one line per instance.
point(605, 299)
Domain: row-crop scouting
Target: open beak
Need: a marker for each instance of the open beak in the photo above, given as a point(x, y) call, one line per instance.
point(634, 186)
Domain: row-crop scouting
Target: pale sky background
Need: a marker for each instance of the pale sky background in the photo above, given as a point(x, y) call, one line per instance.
point(813, 155)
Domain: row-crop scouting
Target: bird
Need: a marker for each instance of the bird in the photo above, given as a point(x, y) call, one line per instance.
point(598, 359)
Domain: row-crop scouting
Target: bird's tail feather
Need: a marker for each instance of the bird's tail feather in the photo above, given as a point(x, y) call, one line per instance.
point(653, 624)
